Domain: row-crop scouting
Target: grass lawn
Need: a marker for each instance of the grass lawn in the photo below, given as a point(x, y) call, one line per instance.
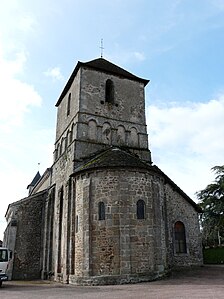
point(214, 255)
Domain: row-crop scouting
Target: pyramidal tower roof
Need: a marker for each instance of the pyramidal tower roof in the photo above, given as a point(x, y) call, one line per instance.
point(103, 65)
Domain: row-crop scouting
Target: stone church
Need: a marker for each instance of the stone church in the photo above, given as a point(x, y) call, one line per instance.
point(102, 213)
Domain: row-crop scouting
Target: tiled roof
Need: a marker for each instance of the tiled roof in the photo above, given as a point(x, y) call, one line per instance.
point(118, 158)
point(114, 157)
point(107, 66)
point(102, 65)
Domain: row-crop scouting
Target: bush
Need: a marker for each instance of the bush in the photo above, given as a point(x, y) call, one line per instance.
point(214, 255)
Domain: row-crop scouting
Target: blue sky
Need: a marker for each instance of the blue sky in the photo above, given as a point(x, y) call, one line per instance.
point(177, 44)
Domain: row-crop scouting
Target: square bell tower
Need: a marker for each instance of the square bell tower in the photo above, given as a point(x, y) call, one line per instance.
point(101, 106)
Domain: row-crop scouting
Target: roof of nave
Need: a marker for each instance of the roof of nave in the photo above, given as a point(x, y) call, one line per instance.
point(100, 64)
point(25, 199)
point(120, 158)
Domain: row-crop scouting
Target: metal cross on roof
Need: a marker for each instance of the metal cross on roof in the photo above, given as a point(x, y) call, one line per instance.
point(102, 48)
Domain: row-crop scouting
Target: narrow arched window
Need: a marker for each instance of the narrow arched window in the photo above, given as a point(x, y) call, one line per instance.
point(69, 104)
point(68, 138)
point(101, 210)
point(56, 154)
point(180, 237)
point(71, 134)
point(109, 91)
point(60, 148)
point(140, 209)
point(76, 223)
point(63, 144)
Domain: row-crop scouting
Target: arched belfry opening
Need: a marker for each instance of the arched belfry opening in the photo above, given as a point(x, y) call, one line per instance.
point(69, 104)
point(109, 92)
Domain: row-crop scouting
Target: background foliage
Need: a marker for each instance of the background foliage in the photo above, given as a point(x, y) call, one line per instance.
point(211, 200)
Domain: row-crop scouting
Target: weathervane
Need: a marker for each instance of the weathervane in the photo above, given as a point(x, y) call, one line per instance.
point(102, 48)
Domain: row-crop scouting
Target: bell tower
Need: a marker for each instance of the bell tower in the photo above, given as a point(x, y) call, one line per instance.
point(101, 106)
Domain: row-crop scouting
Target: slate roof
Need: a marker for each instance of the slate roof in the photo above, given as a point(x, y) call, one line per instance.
point(35, 180)
point(100, 64)
point(119, 158)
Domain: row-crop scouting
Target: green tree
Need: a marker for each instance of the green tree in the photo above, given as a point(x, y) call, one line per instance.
point(211, 200)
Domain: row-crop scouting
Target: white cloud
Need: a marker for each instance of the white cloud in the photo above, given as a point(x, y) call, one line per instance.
point(12, 67)
point(122, 56)
point(187, 140)
point(54, 73)
point(139, 56)
point(13, 189)
point(17, 99)
point(16, 95)
point(26, 23)
point(17, 23)
point(26, 151)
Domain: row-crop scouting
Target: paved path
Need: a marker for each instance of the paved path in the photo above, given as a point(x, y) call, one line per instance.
point(204, 282)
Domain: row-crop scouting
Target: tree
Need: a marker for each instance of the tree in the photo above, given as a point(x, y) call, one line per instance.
point(211, 200)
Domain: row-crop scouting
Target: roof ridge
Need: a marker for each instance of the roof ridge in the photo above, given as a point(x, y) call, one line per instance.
point(103, 65)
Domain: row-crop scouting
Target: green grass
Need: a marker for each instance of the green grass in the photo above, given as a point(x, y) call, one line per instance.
point(214, 255)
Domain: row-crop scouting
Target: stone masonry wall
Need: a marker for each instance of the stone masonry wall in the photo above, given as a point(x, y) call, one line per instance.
point(178, 209)
point(121, 123)
point(27, 254)
point(128, 97)
point(121, 245)
point(79, 233)
point(64, 120)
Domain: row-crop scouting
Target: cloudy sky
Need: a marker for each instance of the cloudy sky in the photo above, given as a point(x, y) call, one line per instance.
point(177, 44)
